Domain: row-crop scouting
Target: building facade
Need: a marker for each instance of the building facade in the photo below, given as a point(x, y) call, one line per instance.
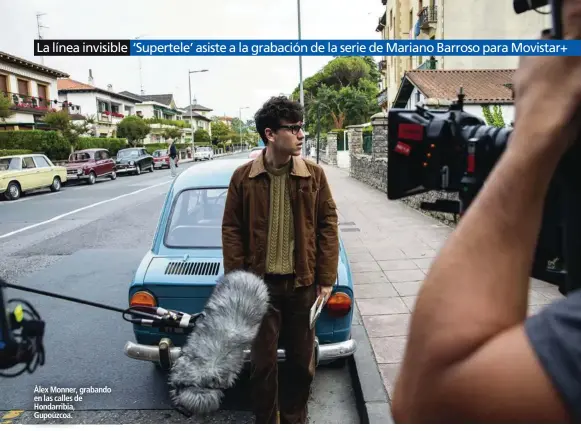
point(31, 89)
point(104, 107)
point(452, 19)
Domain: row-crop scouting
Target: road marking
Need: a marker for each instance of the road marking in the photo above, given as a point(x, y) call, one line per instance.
point(81, 209)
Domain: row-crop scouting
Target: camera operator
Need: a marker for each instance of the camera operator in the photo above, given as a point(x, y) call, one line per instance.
point(472, 354)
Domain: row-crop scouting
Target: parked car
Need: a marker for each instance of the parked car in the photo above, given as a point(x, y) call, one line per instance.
point(88, 165)
point(28, 172)
point(185, 261)
point(255, 152)
point(204, 153)
point(160, 159)
point(136, 160)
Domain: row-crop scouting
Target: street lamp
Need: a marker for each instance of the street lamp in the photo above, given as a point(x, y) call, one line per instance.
point(192, 106)
point(240, 118)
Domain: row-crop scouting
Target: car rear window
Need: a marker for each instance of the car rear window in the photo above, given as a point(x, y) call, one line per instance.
point(10, 164)
point(196, 219)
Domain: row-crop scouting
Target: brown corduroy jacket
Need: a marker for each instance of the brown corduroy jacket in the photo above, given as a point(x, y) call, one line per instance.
point(245, 222)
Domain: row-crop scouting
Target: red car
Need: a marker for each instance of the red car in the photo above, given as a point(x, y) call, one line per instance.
point(88, 165)
point(161, 159)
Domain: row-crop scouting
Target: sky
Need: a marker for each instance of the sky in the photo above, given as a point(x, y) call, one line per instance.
point(231, 82)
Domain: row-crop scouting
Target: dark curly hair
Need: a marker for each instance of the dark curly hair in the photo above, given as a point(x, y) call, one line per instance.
point(275, 110)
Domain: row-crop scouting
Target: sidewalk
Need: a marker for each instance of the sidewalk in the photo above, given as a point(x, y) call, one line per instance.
point(390, 248)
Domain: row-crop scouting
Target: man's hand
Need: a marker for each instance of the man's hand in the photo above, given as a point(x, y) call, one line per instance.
point(324, 290)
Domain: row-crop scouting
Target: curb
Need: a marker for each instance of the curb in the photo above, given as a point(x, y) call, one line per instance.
point(370, 394)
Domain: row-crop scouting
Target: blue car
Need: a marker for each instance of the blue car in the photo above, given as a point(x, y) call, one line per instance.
point(185, 260)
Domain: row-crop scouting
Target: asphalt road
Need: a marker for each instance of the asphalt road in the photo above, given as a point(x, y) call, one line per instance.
point(86, 241)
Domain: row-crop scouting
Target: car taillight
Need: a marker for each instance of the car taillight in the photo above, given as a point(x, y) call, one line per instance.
point(339, 304)
point(143, 298)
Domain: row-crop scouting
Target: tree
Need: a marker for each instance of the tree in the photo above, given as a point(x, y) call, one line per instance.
point(221, 132)
point(133, 128)
point(172, 133)
point(495, 117)
point(62, 123)
point(5, 104)
point(345, 88)
point(201, 135)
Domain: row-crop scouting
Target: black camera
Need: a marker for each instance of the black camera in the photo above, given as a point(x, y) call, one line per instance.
point(453, 151)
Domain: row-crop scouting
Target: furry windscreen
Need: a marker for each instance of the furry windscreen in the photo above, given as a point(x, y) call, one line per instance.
point(213, 356)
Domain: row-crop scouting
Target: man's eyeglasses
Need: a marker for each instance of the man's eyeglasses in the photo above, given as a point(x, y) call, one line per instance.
point(294, 128)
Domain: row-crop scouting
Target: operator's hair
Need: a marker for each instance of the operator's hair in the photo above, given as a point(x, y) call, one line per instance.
point(275, 110)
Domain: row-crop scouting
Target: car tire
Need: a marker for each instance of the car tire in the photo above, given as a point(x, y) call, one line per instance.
point(56, 184)
point(137, 170)
point(92, 178)
point(13, 191)
point(113, 175)
point(151, 168)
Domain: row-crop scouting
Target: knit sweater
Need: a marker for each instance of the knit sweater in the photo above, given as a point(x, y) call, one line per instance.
point(280, 245)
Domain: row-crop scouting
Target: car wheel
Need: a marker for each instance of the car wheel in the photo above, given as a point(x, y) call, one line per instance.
point(151, 168)
point(113, 175)
point(137, 170)
point(56, 184)
point(92, 178)
point(13, 192)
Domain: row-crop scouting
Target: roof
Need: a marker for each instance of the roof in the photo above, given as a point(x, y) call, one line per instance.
point(187, 114)
point(89, 150)
point(225, 118)
point(480, 86)
point(23, 155)
point(198, 108)
point(68, 85)
point(163, 99)
point(216, 173)
point(9, 58)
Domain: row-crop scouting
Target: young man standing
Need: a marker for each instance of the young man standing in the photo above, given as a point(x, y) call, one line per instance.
point(173, 156)
point(280, 222)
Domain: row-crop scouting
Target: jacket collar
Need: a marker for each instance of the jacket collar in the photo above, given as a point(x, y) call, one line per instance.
point(298, 167)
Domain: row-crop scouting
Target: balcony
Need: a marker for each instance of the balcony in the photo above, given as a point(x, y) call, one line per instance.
point(428, 17)
point(428, 64)
point(382, 65)
point(30, 104)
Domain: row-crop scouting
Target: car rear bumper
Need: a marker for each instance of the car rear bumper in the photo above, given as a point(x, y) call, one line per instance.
point(165, 354)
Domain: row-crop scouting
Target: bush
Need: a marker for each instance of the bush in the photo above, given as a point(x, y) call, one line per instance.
point(50, 143)
point(14, 152)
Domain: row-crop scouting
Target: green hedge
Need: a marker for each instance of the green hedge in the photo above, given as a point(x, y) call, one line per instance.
point(111, 144)
point(50, 143)
point(13, 152)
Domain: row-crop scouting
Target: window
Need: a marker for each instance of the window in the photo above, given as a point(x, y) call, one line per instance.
point(41, 162)
point(196, 219)
point(23, 87)
point(28, 163)
point(10, 164)
point(129, 153)
point(79, 157)
point(4, 84)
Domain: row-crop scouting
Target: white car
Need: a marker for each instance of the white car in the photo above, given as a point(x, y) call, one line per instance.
point(204, 153)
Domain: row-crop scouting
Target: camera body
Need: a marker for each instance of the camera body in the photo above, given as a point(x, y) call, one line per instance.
point(453, 151)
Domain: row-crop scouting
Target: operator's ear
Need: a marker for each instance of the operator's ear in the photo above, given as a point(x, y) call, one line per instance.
point(269, 134)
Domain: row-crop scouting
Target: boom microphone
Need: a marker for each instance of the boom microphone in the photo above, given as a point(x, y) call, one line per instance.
point(213, 355)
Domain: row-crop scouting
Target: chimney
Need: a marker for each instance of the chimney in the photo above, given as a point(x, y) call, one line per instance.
point(91, 79)
point(109, 87)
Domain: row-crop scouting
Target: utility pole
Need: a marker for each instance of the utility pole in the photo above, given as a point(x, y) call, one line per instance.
point(240, 118)
point(301, 64)
point(38, 27)
point(192, 107)
point(318, 129)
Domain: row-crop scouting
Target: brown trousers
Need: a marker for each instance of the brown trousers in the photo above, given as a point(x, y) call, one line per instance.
point(283, 397)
